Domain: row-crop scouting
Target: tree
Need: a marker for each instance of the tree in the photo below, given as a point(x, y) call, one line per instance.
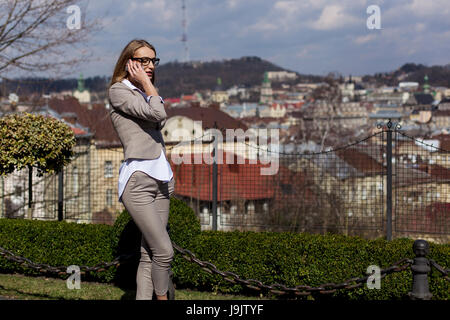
point(37, 35)
point(28, 140)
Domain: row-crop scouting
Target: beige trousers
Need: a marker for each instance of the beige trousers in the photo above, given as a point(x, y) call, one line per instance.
point(147, 200)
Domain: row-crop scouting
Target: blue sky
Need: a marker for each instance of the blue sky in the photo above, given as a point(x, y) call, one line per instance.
point(307, 36)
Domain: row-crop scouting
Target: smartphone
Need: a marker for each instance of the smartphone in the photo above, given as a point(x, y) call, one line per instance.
point(126, 68)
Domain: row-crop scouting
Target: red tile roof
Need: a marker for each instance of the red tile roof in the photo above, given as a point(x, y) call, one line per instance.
point(444, 141)
point(243, 181)
point(360, 161)
point(189, 98)
point(96, 119)
point(434, 218)
point(435, 171)
point(77, 131)
point(172, 100)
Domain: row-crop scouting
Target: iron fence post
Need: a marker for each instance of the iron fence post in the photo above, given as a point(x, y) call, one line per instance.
point(30, 192)
point(214, 186)
point(389, 182)
point(60, 194)
point(420, 269)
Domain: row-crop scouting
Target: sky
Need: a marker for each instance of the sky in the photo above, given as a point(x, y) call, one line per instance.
point(307, 36)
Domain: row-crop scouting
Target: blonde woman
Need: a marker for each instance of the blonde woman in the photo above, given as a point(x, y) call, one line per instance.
point(145, 178)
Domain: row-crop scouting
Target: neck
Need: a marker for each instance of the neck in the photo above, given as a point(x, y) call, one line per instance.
point(136, 84)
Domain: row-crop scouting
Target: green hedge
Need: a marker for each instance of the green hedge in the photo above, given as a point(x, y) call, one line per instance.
point(306, 259)
point(57, 244)
point(287, 258)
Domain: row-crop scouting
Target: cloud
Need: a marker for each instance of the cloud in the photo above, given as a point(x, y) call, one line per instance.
point(364, 39)
point(430, 8)
point(312, 36)
point(420, 27)
point(160, 13)
point(333, 17)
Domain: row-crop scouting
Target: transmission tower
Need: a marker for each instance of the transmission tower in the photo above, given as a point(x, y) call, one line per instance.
point(184, 36)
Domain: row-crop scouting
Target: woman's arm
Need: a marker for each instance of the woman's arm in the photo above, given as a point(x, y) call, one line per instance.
point(131, 103)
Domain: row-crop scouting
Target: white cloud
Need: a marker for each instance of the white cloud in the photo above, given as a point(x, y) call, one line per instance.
point(364, 39)
point(420, 27)
point(308, 51)
point(156, 12)
point(430, 8)
point(333, 17)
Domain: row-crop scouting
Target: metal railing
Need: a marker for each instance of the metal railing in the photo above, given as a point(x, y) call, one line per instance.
point(388, 184)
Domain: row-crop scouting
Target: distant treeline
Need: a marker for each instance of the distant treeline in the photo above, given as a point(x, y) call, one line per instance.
point(438, 76)
point(173, 78)
point(27, 86)
point(176, 78)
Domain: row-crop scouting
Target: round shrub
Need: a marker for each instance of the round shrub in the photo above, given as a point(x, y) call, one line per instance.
point(30, 140)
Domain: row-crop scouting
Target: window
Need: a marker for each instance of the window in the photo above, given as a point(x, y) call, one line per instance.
point(75, 179)
point(250, 207)
point(109, 193)
point(108, 169)
point(286, 188)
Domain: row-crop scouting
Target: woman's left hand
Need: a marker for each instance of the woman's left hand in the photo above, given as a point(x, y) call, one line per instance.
point(137, 73)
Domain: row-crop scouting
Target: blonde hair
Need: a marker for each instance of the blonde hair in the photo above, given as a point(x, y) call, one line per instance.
point(127, 53)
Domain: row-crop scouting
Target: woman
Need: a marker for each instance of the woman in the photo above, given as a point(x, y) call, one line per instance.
point(145, 179)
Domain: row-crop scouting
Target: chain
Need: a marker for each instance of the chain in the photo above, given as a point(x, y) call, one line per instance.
point(60, 270)
point(276, 288)
point(440, 269)
point(280, 289)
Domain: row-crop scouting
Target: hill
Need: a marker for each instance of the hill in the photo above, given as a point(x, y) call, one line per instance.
point(437, 75)
point(176, 78)
point(173, 78)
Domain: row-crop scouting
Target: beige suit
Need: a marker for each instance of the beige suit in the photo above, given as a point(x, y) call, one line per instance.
point(137, 122)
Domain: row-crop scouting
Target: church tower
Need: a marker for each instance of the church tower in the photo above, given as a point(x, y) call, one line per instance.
point(81, 93)
point(266, 95)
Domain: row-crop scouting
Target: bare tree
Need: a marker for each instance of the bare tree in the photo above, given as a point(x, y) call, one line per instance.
point(40, 35)
point(330, 95)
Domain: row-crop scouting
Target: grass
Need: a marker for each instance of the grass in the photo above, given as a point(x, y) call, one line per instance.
point(20, 287)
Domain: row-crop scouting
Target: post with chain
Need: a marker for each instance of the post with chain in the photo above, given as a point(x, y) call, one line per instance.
point(30, 191)
point(420, 269)
point(389, 182)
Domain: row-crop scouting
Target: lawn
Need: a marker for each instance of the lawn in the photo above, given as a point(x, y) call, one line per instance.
point(17, 286)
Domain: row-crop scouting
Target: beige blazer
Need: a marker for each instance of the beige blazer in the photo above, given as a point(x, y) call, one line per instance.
point(137, 122)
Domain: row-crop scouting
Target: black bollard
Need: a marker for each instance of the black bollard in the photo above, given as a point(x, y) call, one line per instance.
point(420, 269)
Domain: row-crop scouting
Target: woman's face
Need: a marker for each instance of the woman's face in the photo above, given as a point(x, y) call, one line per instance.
point(145, 52)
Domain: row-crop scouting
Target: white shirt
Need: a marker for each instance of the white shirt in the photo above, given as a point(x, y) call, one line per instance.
point(157, 168)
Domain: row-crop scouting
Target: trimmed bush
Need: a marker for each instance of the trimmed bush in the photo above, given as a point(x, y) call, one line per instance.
point(287, 258)
point(30, 140)
point(56, 244)
point(305, 259)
